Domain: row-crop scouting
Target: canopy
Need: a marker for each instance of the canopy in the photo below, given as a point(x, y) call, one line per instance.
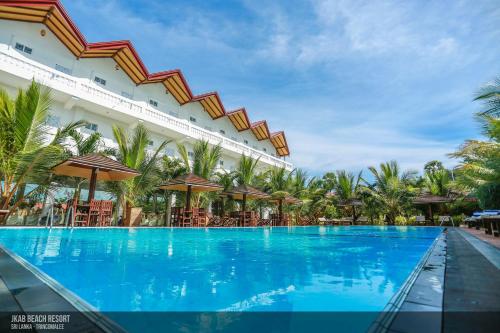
point(427, 199)
point(106, 168)
point(94, 167)
point(197, 184)
point(289, 200)
point(249, 192)
point(350, 202)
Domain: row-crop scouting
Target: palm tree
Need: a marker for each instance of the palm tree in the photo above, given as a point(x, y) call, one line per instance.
point(132, 152)
point(205, 163)
point(83, 145)
point(391, 189)
point(26, 151)
point(438, 182)
point(245, 173)
point(170, 169)
point(347, 190)
point(479, 169)
point(279, 182)
point(490, 94)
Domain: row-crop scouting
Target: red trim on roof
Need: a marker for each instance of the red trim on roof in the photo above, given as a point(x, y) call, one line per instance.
point(209, 94)
point(244, 113)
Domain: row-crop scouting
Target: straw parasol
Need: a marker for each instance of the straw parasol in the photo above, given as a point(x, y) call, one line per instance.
point(94, 167)
point(429, 199)
point(244, 192)
point(353, 202)
point(288, 199)
point(191, 183)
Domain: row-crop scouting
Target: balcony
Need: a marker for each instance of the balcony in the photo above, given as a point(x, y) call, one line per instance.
point(84, 89)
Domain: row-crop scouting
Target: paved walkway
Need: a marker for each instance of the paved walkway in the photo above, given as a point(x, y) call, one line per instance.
point(495, 241)
point(471, 290)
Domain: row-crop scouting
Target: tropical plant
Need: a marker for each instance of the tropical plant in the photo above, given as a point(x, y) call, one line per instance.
point(83, 145)
point(347, 190)
point(391, 189)
point(170, 169)
point(490, 94)
point(246, 170)
point(27, 153)
point(132, 152)
point(204, 164)
point(479, 168)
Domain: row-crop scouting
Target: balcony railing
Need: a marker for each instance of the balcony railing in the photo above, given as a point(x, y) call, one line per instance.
point(84, 89)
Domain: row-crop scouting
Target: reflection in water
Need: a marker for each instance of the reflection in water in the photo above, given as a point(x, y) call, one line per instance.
point(278, 269)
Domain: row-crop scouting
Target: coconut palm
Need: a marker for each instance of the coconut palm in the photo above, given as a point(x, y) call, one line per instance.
point(391, 189)
point(83, 145)
point(245, 172)
point(279, 182)
point(490, 94)
point(479, 168)
point(132, 152)
point(170, 169)
point(204, 164)
point(27, 153)
point(347, 190)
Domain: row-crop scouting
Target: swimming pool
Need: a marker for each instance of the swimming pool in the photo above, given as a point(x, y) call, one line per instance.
point(296, 269)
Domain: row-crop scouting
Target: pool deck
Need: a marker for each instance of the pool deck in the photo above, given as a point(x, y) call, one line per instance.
point(456, 289)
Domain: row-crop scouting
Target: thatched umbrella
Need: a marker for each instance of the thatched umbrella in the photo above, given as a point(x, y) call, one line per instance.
point(94, 167)
point(354, 202)
point(429, 199)
point(244, 192)
point(191, 183)
point(288, 199)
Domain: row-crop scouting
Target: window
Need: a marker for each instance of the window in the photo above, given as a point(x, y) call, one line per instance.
point(23, 48)
point(63, 69)
point(222, 131)
point(190, 154)
point(192, 119)
point(151, 142)
point(264, 149)
point(221, 162)
point(100, 81)
point(126, 95)
point(153, 103)
point(245, 141)
point(91, 126)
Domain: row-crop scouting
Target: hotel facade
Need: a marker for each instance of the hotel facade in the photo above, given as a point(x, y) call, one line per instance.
point(107, 84)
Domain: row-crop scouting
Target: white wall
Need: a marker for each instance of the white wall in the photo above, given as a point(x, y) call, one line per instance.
point(50, 51)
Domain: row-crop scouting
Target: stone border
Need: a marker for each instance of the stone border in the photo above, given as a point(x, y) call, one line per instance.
point(421, 292)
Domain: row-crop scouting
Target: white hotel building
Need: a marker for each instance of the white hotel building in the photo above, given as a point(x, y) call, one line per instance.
point(106, 83)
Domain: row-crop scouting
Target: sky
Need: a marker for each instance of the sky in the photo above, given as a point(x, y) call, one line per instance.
point(352, 83)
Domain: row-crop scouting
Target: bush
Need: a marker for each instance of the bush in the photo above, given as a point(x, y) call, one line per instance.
point(401, 220)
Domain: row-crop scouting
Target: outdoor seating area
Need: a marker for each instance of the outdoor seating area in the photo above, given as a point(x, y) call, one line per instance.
point(488, 220)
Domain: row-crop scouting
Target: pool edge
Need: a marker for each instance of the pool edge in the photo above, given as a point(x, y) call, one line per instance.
point(84, 308)
point(434, 257)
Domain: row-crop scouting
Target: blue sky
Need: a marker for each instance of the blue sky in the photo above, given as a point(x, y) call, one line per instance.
point(352, 83)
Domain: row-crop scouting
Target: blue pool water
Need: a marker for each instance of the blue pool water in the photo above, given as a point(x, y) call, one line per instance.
point(280, 269)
